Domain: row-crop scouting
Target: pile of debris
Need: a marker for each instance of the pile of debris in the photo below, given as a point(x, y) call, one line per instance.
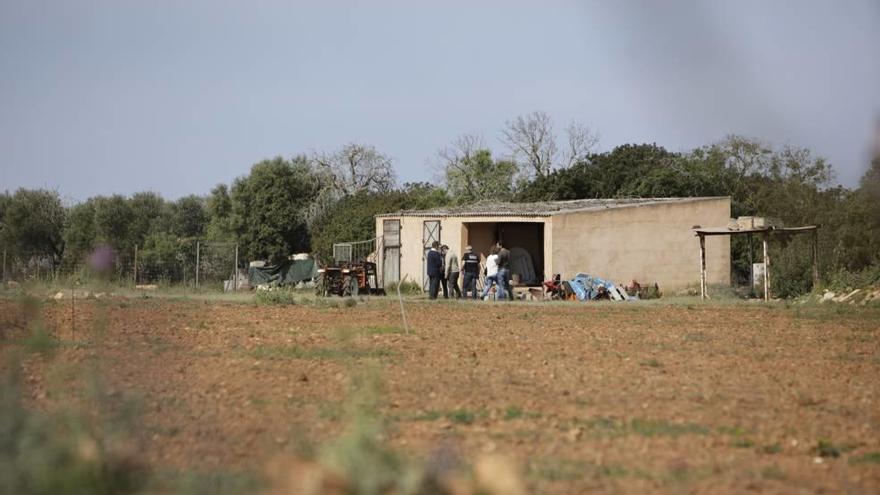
point(862, 297)
point(585, 287)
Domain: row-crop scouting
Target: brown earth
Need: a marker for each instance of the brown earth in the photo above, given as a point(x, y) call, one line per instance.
point(583, 397)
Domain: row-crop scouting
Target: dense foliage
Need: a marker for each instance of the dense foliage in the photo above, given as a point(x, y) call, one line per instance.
point(283, 206)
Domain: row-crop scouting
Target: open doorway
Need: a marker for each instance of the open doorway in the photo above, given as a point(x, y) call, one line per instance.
point(525, 240)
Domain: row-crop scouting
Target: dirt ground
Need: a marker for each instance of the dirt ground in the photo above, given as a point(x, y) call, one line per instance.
point(602, 397)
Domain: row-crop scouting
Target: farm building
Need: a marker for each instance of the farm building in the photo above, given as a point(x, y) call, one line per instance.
point(648, 239)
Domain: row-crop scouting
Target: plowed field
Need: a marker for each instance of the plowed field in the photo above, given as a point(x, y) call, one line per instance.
point(582, 397)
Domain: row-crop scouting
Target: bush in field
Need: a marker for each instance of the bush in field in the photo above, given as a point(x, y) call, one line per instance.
point(277, 297)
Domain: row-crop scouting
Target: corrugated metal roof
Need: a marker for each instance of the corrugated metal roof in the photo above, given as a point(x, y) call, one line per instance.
point(539, 209)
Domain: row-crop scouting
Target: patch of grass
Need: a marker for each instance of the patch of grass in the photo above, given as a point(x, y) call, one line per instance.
point(651, 428)
point(653, 363)
point(772, 473)
point(331, 353)
point(825, 448)
point(773, 448)
point(331, 410)
point(513, 412)
point(866, 458)
point(275, 298)
point(742, 443)
point(644, 427)
point(558, 469)
point(431, 415)
point(461, 416)
point(696, 337)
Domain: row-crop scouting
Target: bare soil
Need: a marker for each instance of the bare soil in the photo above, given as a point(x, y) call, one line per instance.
point(626, 398)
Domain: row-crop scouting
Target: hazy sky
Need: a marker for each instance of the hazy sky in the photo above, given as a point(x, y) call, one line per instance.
point(176, 96)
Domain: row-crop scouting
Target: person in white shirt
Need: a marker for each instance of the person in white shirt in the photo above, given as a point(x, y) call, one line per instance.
point(492, 276)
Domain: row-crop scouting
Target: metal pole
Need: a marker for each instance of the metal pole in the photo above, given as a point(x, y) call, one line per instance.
point(766, 269)
point(815, 258)
point(235, 273)
point(702, 267)
point(198, 248)
point(135, 271)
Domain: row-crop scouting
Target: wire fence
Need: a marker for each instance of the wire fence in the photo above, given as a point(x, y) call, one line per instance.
point(198, 264)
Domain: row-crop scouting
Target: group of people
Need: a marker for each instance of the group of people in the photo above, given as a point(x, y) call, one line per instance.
point(444, 270)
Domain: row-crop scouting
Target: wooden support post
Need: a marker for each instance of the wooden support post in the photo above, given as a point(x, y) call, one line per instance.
point(751, 267)
point(198, 248)
point(815, 258)
point(766, 269)
point(702, 267)
point(235, 276)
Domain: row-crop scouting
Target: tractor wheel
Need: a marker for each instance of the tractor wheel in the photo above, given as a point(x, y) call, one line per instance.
point(346, 286)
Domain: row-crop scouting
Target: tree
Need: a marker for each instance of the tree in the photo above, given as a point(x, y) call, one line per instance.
point(114, 219)
point(353, 217)
point(219, 206)
point(581, 142)
point(470, 173)
point(530, 138)
point(146, 207)
point(188, 217)
point(356, 168)
point(33, 223)
point(269, 208)
point(79, 232)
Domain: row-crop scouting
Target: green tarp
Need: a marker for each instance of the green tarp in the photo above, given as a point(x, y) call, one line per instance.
point(285, 273)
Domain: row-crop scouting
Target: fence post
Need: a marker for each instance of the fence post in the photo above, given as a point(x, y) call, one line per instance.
point(235, 272)
point(4, 265)
point(198, 248)
point(135, 271)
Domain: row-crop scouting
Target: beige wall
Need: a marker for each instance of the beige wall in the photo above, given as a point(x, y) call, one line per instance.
point(648, 243)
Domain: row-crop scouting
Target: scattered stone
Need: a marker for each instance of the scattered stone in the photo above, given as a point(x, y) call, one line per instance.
point(146, 287)
point(303, 377)
point(59, 296)
point(828, 296)
point(574, 434)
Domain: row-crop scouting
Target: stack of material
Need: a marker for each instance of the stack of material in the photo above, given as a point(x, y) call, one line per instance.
point(588, 288)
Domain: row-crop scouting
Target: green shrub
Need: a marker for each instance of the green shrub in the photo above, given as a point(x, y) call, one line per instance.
point(278, 297)
point(406, 288)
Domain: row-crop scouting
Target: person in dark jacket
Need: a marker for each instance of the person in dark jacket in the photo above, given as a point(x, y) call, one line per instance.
point(504, 270)
point(435, 270)
point(470, 262)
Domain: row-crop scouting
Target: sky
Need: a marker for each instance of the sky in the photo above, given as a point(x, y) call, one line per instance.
point(104, 97)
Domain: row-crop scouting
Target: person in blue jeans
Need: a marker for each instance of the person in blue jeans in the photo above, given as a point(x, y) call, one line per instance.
point(492, 276)
point(504, 271)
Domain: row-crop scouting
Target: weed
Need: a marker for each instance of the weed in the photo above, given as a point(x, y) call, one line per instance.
point(332, 353)
point(653, 363)
point(512, 412)
point(824, 448)
point(275, 298)
point(205, 483)
point(773, 448)
point(742, 443)
point(649, 428)
point(428, 416)
point(867, 458)
point(461, 416)
point(772, 473)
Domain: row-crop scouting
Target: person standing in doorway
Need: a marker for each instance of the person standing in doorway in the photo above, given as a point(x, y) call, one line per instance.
point(470, 262)
point(504, 271)
point(443, 284)
point(492, 276)
point(452, 271)
point(435, 269)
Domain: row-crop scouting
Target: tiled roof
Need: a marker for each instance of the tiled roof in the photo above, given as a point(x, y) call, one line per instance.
point(539, 209)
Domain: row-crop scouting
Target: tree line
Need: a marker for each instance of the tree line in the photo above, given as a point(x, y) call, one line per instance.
point(308, 202)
